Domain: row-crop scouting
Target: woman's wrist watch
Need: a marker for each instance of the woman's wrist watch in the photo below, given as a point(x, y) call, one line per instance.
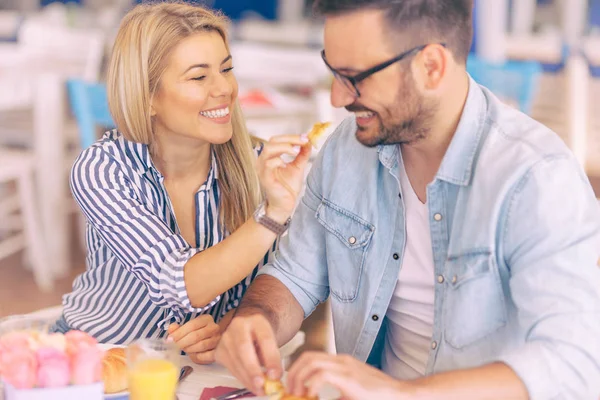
point(260, 216)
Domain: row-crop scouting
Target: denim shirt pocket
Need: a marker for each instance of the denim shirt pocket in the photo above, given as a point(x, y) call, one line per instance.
point(347, 242)
point(474, 305)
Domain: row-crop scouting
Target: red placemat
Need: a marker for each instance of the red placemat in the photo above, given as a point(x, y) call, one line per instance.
point(216, 391)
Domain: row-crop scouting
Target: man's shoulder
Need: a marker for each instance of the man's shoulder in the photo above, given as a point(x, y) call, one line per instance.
point(512, 129)
point(515, 142)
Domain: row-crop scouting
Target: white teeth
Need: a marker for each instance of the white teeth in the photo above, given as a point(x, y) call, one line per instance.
point(364, 114)
point(216, 113)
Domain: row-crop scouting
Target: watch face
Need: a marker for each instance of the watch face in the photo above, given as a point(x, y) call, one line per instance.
point(262, 210)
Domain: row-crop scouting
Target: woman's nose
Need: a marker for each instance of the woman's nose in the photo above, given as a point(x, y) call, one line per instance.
point(222, 86)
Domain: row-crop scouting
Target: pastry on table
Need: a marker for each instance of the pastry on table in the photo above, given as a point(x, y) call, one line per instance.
point(276, 391)
point(114, 370)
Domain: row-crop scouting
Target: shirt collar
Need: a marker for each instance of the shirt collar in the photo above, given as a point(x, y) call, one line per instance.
point(388, 155)
point(458, 162)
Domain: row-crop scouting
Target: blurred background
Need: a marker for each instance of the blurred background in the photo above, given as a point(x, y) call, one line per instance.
point(542, 57)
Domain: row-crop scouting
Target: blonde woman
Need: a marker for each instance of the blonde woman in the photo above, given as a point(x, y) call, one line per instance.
point(177, 225)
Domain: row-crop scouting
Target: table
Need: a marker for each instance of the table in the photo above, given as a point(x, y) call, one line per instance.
point(208, 376)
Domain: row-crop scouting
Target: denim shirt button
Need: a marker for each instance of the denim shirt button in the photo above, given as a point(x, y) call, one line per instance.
point(396, 256)
point(351, 240)
point(440, 278)
point(437, 217)
point(434, 345)
point(375, 317)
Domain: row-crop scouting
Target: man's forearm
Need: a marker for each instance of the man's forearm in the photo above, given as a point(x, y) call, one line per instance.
point(493, 381)
point(271, 298)
point(224, 322)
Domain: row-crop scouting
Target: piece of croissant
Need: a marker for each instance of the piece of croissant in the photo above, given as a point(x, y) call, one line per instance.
point(317, 131)
point(114, 370)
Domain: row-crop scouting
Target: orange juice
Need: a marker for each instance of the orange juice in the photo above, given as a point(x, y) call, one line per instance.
point(153, 379)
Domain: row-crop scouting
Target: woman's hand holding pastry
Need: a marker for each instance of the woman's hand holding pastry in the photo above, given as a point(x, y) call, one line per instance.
point(281, 181)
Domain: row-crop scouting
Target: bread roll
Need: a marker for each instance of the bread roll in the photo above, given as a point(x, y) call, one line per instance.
point(114, 370)
point(273, 389)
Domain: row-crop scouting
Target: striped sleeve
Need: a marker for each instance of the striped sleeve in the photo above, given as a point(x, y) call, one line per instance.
point(137, 237)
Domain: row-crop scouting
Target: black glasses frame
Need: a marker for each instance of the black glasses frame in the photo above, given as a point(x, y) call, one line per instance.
point(351, 81)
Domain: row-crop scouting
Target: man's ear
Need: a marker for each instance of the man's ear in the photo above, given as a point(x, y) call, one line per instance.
point(431, 65)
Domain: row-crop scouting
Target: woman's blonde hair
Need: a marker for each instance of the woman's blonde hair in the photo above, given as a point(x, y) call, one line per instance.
point(146, 37)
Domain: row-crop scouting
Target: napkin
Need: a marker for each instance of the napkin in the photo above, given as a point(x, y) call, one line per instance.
point(216, 391)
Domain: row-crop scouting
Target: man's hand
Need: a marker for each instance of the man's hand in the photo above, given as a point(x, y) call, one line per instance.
point(248, 345)
point(198, 338)
point(354, 379)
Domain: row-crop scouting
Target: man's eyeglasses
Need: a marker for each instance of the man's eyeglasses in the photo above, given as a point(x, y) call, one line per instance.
point(351, 82)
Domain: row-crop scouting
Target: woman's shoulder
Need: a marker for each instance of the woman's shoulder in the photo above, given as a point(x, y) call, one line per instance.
point(107, 145)
point(112, 153)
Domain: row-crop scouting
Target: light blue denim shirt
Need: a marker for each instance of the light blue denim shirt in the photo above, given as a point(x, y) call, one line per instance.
point(515, 230)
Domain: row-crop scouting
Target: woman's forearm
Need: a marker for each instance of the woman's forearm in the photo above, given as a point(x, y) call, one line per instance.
point(220, 267)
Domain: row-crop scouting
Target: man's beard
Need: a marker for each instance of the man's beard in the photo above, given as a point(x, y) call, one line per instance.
point(416, 112)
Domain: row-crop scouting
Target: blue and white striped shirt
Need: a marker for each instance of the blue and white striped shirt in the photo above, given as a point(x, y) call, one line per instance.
point(133, 284)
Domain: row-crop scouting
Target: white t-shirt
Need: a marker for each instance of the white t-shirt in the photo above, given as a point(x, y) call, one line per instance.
point(410, 314)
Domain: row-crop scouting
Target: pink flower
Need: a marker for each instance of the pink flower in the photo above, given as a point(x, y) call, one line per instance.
point(16, 339)
point(3, 350)
point(85, 358)
point(18, 366)
point(86, 366)
point(53, 368)
point(77, 340)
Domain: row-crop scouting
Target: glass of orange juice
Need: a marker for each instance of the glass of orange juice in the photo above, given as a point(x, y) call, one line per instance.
point(152, 369)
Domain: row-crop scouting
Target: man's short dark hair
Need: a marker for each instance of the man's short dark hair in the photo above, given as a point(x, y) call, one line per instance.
point(428, 21)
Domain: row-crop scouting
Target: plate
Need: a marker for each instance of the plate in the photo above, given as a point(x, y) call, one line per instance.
point(119, 395)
